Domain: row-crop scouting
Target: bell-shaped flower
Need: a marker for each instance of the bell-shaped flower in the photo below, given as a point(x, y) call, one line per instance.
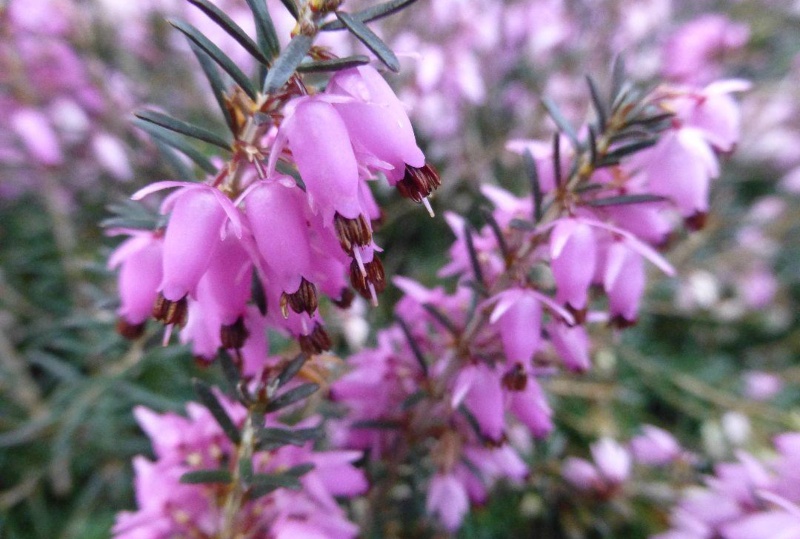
point(680, 167)
point(376, 120)
point(140, 261)
point(37, 135)
point(480, 390)
point(447, 499)
point(530, 406)
point(275, 210)
point(321, 148)
point(624, 281)
point(613, 460)
point(573, 254)
point(518, 316)
point(655, 447)
point(571, 343)
point(713, 112)
point(228, 279)
point(195, 229)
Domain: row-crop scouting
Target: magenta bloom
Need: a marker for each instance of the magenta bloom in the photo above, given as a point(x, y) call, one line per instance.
point(447, 498)
point(320, 145)
point(140, 261)
point(573, 255)
point(276, 212)
point(376, 121)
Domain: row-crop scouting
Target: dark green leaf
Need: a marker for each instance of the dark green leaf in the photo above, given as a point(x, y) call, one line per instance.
point(292, 396)
point(592, 146)
point(557, 160)
point(214, 79)
point(370, 39)
point(617, 77)
point(412, 399)
point(272, 437)
point(262, 484)
point(231, 28)
point(300, 469)
point(630, 149)
point(292, 7)
point(183, 171)
point(292, 368)
point(265, 29)
point(560, 120)
point(473, 255)
point(210, 401)
point(229, 368)
point(371, 13)
point(377, 424)
point(442, 318)
point(412, 343)
point(536, 189)
point(335, 64)
point(498, 234)
point(599, 106)
point(286, 64)
point(216, 54)
point(246, 469)
point(131, 214)
point(625, 199)
point(183, 128)
point(207, 476)
point(171, 139)
point(521, 224)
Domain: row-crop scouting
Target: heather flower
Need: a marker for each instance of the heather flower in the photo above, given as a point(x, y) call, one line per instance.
point(321, 148)
point(167, 507)
point(655, 447)
point(376, 121)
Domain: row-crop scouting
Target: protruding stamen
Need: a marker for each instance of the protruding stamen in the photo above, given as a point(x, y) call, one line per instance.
point(170, 312)
point(305, 299)
point(234, 335)
point(427, 204)
point(315, 342)
point(418, 183)
point(360, 262)
point(128, 330)
point(167, 334)
point(370, 282)
point(352, 232)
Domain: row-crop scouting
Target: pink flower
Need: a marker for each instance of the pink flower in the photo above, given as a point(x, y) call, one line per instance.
point(573, 256)
point(376, 121)
point(140, 261)
point(447, 499)
point(321, 148)
point(655, 447)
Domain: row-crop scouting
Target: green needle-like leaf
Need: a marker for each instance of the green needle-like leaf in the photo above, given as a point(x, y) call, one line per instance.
point(292, 7)
point(625, 199)
point(292, 396)
point(370, 39)
point(173, 140)
point(286, 64)
point(214, 79)
point(536, 188)
point(231, 28)
point(210, 401)
point(291, 369)
point(216, 54)
point(561, 122)
point(412, 343)
point(184, 128)
point(335, 64)
point(207, 476)
point(265, 29)
point(371, 13)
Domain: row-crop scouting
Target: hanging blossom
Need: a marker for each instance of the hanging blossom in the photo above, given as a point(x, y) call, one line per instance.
point(463, 370)
point(745, 499)
point(60, 122)
point(170, 507)
point(251, 221)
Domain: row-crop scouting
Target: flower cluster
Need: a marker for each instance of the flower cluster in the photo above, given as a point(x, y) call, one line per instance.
point(462, 369)
point(299, 238)
point(169, 506)
point(61, 121)
point(745, 499)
